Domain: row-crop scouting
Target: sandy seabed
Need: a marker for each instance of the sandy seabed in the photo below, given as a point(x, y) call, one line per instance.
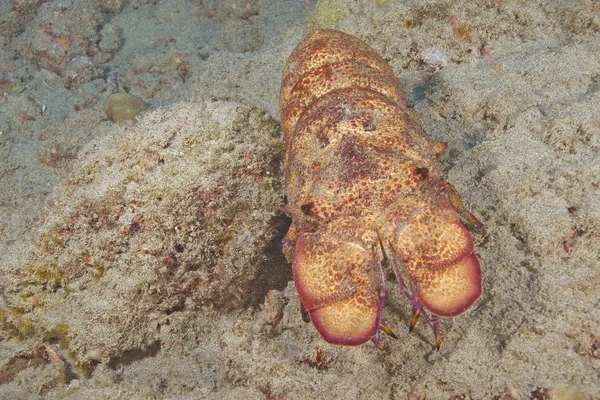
point(144, 260)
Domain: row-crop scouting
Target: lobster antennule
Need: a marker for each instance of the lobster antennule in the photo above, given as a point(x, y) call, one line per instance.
point(334, 278)
point(451, 291)
point(444, 273)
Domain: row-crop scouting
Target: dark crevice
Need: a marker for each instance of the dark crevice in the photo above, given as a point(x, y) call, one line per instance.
point(132, 355)
point(275, 272)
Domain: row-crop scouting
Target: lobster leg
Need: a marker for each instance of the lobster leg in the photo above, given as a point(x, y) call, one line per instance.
point(377, 337)
point(382, 326)
point(414, 319)
point(418, 310)
point(387, 330)
point(436, 331)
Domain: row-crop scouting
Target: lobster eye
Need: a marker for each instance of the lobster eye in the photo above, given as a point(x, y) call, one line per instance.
point(307, 208)
point(422, 173)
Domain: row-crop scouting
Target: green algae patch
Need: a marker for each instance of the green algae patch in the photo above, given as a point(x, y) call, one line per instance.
point(14, 321)
point(50, 277)
point(327, 13)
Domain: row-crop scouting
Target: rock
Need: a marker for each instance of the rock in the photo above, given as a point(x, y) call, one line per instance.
point(121, 107)
point(169, 217)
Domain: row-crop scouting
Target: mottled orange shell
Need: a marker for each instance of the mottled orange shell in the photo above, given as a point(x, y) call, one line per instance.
point(362, 182)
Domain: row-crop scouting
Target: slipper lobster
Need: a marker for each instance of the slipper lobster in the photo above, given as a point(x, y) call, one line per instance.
point(364, 187)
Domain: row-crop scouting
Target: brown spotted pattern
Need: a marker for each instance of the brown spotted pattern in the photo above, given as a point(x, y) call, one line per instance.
point(363, 181)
